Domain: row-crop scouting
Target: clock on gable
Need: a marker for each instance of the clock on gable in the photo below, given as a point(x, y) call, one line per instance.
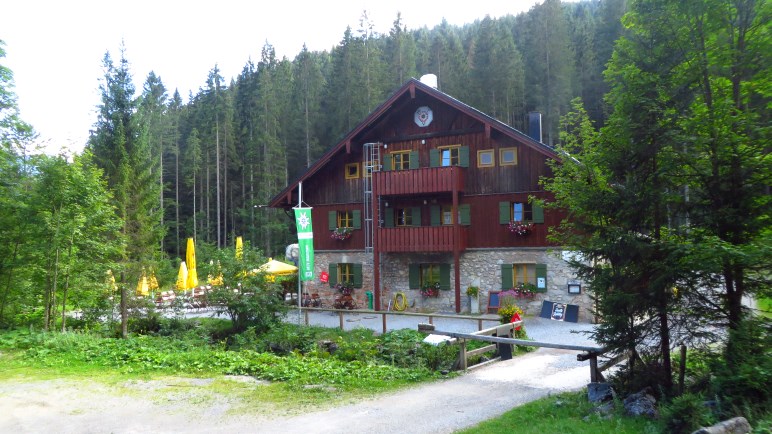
point(423, 116)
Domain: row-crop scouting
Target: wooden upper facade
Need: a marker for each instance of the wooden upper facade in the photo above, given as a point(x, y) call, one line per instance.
point(445, 177)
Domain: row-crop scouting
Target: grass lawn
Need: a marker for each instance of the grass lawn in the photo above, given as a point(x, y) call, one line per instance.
point(567, 413)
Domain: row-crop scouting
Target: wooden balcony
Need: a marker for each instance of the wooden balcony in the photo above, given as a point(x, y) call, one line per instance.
point(418, 181)
point(420, 239)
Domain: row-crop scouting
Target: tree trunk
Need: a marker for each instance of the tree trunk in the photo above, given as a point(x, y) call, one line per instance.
point(124, 308)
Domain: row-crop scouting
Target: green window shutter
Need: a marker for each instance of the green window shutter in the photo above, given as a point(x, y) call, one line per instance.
point(416, 215)
point(538, 214)
point(504, 212)
point(357, 215)
point(332, 220)
point(413, 163)
point(463, 215)
point(434, 158)
point(414, 276)
point(332, 269)
point(434, 212)
point(463, 156)
point(388, 217)
point(387, 162)
point(445, 276)
point(541, 273)
point(506, 277)
point(356, 270)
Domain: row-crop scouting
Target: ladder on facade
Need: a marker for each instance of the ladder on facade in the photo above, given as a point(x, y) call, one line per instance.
point(372, 163)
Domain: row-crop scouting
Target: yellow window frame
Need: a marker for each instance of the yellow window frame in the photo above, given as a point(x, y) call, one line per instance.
point(454, 158)
point(400, 160)
point(352, 171)
point(345, 219)
point(430, 274)
point(524, 273)
point(345, 273)
point(480, 154)
point(505, 161)
point(404, 216)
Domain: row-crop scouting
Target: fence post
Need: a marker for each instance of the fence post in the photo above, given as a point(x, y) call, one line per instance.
point(593, 368)
point(462, 355)
point(340, 318)
point(383, 319)
point(305, 314)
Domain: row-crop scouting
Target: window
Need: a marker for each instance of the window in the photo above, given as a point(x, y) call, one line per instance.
point(344, 219)
point(508, 156)
point(485, 158)
point(345, 273)
point(447, 215)
point(450, 156)
point(513, 275)
point(404, 217)
point(421, 275)
point(520, 212)
point(352, 171)
point(445, 156)
point(430, 274)
point(400, 160)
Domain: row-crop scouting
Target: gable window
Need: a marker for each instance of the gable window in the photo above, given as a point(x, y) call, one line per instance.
point(520, 212)
point(513, 275)
point(508, 156)
point(421, 275)
point(351, 218)
point(352, 171)
point(345, 272)
point(485, 158)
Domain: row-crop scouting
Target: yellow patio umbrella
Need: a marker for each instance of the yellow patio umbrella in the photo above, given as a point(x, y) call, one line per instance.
point(182, 276)
point(111, 282)
point(277, 268)
point(152, 282)
point(190, 258)
point(142, 287)
point(239, 248)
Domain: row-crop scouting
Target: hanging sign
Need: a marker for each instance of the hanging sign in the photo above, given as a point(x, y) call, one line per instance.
point(305, 243)
point(324, 277)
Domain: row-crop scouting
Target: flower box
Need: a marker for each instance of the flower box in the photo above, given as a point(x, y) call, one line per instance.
point(520, 228)
point(341, 234)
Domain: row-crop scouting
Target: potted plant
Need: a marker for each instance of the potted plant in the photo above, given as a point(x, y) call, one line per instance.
point(341, 234)
point(430, 289)
point(473, 293)
point(523, 290)
point(520, 228)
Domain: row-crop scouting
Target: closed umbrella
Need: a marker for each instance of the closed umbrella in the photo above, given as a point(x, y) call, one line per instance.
point(142, 287)
point(182, 276)
point(190, 258)
point(239, 248)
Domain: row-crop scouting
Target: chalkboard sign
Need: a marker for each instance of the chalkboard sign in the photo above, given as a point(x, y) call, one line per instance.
point(493, 301)
point(558, 312)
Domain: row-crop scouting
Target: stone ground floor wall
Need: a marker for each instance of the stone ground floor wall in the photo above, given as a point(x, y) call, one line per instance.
point(479, 267)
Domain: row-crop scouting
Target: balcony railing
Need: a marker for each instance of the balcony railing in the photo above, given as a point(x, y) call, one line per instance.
point(420, 239)
point(417, 181)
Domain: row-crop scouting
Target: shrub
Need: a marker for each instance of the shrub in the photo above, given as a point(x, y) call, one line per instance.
point(685, 414)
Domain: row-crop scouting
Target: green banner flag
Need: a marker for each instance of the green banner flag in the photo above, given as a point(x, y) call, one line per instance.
point(305, 243)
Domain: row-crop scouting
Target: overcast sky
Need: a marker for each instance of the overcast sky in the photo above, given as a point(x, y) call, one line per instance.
point(55, 47)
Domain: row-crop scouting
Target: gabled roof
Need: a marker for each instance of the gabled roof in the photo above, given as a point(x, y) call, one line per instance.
point(412, 86)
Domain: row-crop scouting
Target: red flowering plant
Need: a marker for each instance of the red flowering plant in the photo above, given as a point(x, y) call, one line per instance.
point(431, 289)
point(345, 288)
point(520, 228)
point(341, 234)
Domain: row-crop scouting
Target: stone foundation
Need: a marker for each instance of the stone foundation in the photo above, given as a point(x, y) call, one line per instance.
point(479, 267)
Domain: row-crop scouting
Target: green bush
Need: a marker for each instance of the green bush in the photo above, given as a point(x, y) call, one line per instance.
point(685, 414)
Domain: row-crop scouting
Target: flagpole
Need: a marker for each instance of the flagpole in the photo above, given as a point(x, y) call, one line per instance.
point(300, 281)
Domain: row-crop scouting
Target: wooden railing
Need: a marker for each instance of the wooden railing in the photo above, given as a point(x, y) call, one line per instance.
point(418, 181)
point(421, 239)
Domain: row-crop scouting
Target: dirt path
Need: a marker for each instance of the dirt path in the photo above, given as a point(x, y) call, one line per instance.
point(86, 407)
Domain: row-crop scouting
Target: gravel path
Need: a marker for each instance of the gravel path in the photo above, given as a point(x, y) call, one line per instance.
point(441, 407)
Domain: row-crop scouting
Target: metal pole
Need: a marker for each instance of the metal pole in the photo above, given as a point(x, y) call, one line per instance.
point(300, 282)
